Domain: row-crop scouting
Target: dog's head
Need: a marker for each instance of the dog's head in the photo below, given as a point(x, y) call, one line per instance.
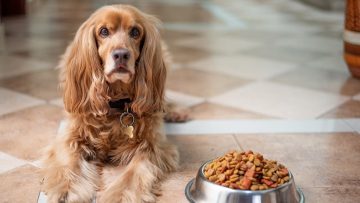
point(116, 52)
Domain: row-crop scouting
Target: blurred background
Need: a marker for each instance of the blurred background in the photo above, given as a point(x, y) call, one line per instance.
point(232, 60)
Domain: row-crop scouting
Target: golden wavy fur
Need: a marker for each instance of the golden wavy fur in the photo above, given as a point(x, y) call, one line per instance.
point(90, 78)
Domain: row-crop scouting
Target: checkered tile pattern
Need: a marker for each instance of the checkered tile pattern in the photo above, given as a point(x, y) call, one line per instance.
point(272, 59)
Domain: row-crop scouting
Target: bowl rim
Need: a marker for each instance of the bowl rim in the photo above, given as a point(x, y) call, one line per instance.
point(202, 176)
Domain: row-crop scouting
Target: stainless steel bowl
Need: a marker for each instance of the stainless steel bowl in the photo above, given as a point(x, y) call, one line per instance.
point(200, 190)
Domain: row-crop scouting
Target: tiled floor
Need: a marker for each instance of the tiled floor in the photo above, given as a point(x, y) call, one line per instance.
point(261, 60)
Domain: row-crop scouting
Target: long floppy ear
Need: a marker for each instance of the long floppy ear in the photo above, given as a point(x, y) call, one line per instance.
point(82, 79)
point(150, 72)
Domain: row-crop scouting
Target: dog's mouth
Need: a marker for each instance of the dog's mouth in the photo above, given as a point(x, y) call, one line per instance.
point(120, 72)
point(121, 68)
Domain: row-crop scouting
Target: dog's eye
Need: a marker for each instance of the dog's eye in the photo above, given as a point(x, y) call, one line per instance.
point(104, 32)
point(134, 32)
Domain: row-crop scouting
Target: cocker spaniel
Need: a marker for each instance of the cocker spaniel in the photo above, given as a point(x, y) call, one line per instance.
point(112, 76)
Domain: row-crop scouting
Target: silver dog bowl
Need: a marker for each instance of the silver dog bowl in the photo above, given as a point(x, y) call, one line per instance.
point(200, 190)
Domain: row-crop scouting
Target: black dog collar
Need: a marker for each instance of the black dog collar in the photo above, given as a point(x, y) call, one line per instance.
point(120, 104)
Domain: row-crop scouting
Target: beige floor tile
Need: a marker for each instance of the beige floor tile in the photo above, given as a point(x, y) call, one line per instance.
point(13, 101)
point(41, 84)
point(357, 97)
point(350, 109)
point(174, 186)
point(310, 156)
point(208, 110)
point(172, 37)
point(197, 149)
point(181, 13)
point(243, 66)
point(321, 44)
point(334, 62)
point(184, 55)
point(280, 100)
point(8, 162)
point(12, 66)
point(25, 133)
point(324, 80)
point(20, 185)
point(288, 28)
point(219, 45)
point(200, 83)
point(284, 54)
point(182, 99)
point(333, 194)
point(58, 102)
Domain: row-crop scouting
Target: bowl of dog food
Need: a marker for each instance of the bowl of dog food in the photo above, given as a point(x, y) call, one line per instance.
point(243, 177)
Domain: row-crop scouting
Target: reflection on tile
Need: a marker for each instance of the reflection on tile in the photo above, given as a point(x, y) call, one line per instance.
point(41, 84)
point(15, 101)
point(182, 99)
point(201, 83)
point(8, 162)
point(12, 66)
point(58, 102)
point(208, 110)
point(20, 185)
point(325, 80)
point(243, 66)
point(25, 133)
point(349, 109)
point(280, 100)
point(211, 127)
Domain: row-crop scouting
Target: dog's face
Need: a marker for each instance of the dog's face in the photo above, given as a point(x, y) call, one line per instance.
point(119, 35)
point(116, 53)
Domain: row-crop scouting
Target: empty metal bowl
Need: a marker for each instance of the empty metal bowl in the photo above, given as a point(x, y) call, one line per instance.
point(201, 190)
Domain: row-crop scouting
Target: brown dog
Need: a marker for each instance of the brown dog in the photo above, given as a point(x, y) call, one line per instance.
point(116, 60)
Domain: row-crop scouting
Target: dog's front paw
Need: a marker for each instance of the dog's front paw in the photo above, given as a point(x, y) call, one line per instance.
point(57, 197)
point(177, 115)
point(126, 196)
point(68, 197)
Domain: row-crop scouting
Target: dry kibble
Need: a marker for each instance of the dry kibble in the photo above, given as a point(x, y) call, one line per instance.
point(246, 171)
point(221, 177)
point(257, 162)
point(254, 187)
point(274, 178)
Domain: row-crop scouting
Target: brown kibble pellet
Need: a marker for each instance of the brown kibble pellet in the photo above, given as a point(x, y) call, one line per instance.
point(254, 187)
point(246, 170)
point(257, 162)
point(274, 178)
point(213, 178)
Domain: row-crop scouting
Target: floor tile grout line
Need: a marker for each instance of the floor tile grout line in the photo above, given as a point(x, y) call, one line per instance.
point(356, 130)
point(23, 162)
point(237, 142)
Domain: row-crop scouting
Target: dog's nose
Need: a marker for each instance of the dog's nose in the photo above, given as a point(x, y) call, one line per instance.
point(121, 55)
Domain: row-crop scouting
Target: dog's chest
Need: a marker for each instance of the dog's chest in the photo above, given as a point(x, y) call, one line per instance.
point(111, 140)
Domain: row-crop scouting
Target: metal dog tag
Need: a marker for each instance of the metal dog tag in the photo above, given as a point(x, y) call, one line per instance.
point(129, 128)
point(129, 131)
